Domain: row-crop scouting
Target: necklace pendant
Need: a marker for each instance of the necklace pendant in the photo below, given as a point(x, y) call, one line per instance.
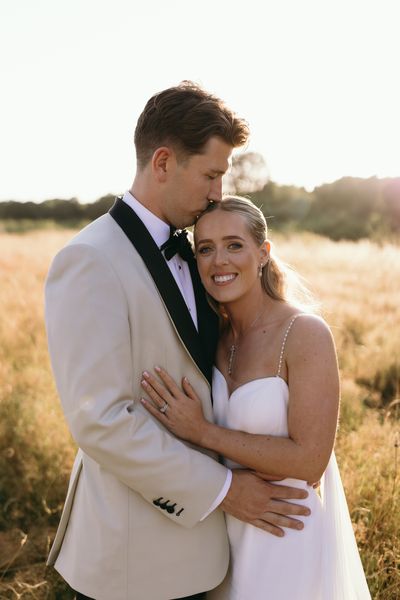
point(232, 352)
point(233, 348)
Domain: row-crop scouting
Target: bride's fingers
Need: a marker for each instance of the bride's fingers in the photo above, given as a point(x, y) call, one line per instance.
point(187, 386)
point(155, 390)
point(155, 411)
point(168, 381)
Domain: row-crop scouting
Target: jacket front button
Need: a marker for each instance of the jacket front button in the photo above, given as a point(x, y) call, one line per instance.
point(171, 508)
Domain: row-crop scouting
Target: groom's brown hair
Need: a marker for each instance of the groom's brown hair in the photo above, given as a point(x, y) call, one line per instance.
point(186, 117)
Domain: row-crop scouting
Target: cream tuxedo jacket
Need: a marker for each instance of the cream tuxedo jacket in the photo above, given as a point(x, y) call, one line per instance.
point(130, 528)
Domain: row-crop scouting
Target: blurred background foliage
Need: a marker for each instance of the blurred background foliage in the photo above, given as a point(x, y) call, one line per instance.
point(350, 208)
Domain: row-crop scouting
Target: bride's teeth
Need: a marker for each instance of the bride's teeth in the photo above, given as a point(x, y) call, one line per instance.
point(223, 278)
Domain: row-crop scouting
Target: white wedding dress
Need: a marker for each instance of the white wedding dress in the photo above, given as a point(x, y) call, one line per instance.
point(320, 562)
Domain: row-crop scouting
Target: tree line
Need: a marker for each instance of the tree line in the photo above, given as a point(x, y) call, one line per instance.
point(349, 208)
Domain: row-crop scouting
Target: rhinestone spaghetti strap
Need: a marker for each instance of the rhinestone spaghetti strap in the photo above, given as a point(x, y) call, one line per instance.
point(284, 343)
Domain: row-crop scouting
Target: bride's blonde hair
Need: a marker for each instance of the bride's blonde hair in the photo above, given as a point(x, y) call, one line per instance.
point(278, 279)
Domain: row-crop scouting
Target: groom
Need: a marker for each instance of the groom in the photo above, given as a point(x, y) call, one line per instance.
point(142, 518)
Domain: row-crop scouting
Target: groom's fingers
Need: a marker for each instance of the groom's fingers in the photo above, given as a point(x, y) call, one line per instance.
point(279, 520)
point(287, 493)
point(288, 508)
point(277, 531)
point(264, 505)
point(268, 477)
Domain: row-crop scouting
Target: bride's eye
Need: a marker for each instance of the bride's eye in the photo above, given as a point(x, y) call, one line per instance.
point(235, 246)
point(204, 250)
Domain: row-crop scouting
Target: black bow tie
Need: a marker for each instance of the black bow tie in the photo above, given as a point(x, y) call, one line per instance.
point(177, 243)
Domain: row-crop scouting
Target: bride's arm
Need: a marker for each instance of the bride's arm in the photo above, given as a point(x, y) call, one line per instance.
point(312, 417)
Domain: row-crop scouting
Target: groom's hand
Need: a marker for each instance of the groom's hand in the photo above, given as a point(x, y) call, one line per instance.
point(253, 500)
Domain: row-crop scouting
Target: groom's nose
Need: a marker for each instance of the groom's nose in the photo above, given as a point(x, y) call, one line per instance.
point(215, 194)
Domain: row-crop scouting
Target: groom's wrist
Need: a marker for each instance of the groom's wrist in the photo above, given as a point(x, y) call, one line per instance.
point(221, 496)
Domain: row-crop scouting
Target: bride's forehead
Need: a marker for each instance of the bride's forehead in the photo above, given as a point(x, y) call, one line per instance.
point(218, 219)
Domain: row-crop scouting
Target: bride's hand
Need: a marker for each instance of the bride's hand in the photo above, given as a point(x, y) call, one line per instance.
point(179, 411)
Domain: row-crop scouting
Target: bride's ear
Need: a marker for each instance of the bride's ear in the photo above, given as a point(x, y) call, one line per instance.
point(265, 250)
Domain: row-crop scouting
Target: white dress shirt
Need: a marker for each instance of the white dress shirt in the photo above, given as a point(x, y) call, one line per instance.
point(159, 231)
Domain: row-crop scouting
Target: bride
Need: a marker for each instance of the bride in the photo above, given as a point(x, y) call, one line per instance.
point(276, 399)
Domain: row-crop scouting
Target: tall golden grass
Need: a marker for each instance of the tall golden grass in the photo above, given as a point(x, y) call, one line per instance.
point(357, 284)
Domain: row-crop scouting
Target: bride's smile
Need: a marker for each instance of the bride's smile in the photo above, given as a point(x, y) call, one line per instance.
point(224, 278)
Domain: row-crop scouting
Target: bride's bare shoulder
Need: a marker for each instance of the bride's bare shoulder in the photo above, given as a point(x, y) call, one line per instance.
point(309, 331)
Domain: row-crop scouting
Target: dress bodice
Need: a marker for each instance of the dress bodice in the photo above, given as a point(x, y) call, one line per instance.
point(266, 398)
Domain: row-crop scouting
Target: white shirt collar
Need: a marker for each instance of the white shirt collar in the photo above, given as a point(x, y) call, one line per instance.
point(158, 229)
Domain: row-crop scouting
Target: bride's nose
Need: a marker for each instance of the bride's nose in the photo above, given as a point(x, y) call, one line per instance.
point(220, 256)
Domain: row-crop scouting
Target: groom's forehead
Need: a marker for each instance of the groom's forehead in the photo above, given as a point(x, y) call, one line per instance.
point(216, 156)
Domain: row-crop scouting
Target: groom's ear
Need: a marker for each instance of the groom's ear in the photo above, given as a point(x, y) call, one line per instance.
point(162, 162)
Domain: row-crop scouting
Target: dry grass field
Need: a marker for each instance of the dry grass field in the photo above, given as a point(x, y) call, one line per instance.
point(358, 286)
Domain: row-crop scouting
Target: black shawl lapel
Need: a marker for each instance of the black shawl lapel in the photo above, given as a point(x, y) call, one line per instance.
point(141, 239)
point(207, 319)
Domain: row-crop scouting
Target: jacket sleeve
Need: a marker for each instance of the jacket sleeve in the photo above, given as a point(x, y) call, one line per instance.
point(89, 337)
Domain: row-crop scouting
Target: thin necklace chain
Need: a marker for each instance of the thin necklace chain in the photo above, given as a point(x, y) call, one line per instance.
point(233, 348)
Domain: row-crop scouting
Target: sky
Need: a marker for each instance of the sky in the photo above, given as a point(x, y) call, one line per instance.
point(318, 81)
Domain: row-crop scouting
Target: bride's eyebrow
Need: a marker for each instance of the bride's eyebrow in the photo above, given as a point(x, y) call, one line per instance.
point(226, 237)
